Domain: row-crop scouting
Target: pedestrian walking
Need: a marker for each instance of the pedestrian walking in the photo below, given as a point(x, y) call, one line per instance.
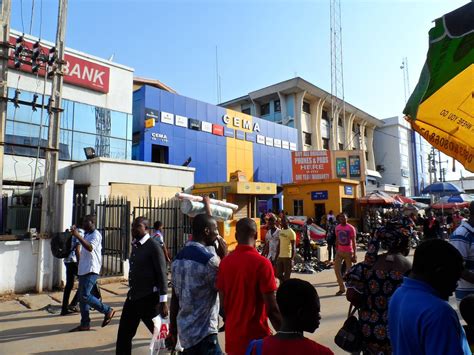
point(246, 284)
point(466, 308)
point(331, 240)
point(345, 249)
point(147, 296)
point(272, 241)
point(194, 305)
point(90, 263)
point(300, 310)
point(71, 263)
point(307, 240)
point(463, 241)
point(420, 319)
point(286, 252)
point(431, 226)
point(158, 236)
point(372, 282)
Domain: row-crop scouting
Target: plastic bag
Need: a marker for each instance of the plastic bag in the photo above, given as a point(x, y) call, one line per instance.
point(160, 333)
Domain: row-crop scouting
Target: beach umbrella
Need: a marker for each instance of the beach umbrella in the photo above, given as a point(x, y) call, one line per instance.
point(449, 205)
point(441, 188)
point(442, 105)
point(460, 198)
point(404, 199)
point(378, 198)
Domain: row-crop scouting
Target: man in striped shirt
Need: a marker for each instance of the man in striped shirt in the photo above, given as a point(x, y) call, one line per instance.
point(463, 240)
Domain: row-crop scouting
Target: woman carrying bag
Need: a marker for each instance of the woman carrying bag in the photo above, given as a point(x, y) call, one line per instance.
point(371, 283)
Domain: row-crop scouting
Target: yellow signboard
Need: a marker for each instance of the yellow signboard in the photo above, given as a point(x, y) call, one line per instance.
point(149, 123)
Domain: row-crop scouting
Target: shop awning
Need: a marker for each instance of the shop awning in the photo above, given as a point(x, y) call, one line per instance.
point(373, 173)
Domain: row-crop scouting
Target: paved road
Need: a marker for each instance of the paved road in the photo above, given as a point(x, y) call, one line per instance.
point(37, 331)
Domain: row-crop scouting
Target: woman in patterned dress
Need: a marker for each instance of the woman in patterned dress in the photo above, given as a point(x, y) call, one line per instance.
point(371, 283)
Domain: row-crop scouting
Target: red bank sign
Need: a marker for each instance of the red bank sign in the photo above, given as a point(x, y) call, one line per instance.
point(77, 71)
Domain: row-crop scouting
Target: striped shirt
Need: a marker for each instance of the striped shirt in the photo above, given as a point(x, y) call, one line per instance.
point(193, 275)
point(463, 239)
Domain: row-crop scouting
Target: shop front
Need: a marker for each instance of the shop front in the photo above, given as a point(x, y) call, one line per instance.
point(315, 199)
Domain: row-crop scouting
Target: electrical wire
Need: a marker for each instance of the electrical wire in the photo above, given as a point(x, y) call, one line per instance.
point(41, 19)
point(32, 14)
point(21, 11)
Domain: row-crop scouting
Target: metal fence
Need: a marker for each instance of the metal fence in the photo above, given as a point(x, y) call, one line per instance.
point(113, 222)
point(176, 225)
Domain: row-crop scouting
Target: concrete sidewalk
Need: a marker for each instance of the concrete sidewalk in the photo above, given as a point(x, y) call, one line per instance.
point(40, 330)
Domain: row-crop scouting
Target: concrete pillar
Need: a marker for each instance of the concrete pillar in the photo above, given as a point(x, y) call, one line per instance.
point(370, 147)
point(318, 118)
point(348, 131)
point(298, 113)
point(315, 129)
point(284, 113)
point(334, 129)
point(255, 109)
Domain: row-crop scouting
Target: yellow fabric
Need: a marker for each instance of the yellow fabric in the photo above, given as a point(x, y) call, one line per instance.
point(447, 143)
point(286, 236)
point(448, 117)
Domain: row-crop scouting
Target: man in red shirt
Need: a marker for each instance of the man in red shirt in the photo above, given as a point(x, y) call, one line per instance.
point(247, 287)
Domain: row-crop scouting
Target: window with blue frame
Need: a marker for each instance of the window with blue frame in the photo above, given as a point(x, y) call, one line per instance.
point(108, 132)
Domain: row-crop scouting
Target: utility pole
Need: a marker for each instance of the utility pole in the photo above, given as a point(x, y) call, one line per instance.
point(440, 169)
point(4, 49)
point(48, 220)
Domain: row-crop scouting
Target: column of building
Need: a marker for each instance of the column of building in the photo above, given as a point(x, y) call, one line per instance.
point(370, 147)
point(298, 117)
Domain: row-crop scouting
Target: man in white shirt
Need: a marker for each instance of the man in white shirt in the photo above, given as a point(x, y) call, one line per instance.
point(272, 241)
point(88, 271)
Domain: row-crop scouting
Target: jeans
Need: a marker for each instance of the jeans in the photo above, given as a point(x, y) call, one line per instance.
point(86, 283)
point(208, 346)
point(331, 251)
point(347, 257)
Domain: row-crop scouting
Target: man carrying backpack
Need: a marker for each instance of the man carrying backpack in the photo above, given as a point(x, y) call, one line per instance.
point(463, 240)
point(89, 269)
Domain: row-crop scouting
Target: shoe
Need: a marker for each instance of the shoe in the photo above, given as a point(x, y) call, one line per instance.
point(73, 309)
point(80, 328)
point(66, 312)
point(108, 317)
point(222, 329)
point(340, 293)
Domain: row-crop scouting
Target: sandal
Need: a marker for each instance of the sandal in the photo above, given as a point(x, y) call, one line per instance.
point(108, 317)
point(340, 293)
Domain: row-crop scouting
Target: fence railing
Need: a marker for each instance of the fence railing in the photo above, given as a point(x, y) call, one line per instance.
point(176, 226)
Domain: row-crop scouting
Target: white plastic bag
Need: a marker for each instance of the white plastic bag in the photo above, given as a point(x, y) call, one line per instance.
point(160, 333)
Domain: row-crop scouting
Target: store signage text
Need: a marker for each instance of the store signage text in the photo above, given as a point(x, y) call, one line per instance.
point(77, 71)
point(319, 195)
point(159, 137)
point(348, 190)
point(241, 123)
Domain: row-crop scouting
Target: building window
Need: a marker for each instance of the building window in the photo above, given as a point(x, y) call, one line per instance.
point(365, 132)
point(264, 109)
point(277, 106)
point(325, 115)
point(366, 155)
point(348, 207)
point(341, 146)
point(298, 207)
point(339, 122)
point(306, 107)
point(246, 110)
point(307, 138)
point(326, 143)
point(325, 128)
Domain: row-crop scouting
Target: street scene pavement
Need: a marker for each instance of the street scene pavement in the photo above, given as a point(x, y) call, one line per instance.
point(40, 330)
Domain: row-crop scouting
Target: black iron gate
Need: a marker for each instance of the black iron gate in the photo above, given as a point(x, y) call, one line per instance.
point(113, 223)
point(176, 225)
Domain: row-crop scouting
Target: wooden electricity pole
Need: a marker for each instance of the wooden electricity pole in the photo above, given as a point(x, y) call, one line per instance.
point(49, 193)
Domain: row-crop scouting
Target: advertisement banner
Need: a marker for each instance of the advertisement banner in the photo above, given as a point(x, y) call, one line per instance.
point(311, 165)
point(341, 167)
point(354, 166)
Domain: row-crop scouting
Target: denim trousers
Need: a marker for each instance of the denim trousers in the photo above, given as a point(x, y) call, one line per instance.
point(87, 300)
point(208, 346)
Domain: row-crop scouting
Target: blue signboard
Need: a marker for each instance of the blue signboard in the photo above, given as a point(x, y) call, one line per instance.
point(240, 135)
point(319, 195)
point(229, 132)
point(251, 137)
point(348, 190)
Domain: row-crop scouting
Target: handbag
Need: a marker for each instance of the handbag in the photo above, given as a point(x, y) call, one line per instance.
point(349, 337)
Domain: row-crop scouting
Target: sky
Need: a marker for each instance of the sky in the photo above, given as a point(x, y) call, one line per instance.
point(259, 43)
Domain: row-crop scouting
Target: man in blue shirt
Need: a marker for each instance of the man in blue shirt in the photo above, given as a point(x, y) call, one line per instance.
point(89, 269)
point(420, 319)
